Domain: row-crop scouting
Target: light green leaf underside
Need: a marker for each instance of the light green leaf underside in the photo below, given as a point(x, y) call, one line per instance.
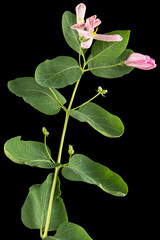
point(58, 72)
point(28, 152)
point(41, 98)
point(104, 122)
point(112, 72)
point(70, 231)
point(109, 51)
point(81, 168)
point(34, 210)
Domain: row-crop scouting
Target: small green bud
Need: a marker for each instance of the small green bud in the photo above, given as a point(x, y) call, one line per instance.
point(45, 132)
point(101, 91)
point(70, 150)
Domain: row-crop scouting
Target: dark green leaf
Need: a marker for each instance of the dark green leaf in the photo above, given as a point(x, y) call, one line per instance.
point(28, 152)
point(70, 35)
point(104, 122)
point(70, 231)
point(37, 96)
point(107, 52)
point(58, 72)
point(111, 72)
point(81, 168)
point(34, 210)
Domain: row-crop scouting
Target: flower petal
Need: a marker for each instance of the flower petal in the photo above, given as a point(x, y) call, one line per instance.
point(136, 57)
point(80, 13)
point(108, 38)
point(97, 23)
point(90, 22)
point(81, 32)
point(87, 43)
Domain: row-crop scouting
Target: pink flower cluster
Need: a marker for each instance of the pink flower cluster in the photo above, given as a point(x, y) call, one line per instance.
point(88, 31)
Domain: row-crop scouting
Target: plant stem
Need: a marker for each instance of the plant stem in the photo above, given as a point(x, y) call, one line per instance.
point(59, 161)
point(62, 106)
point(45, 144)
point(103, 67)
point(87, 101)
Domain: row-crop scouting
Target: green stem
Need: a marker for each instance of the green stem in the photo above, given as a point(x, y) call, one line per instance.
point(90, 69)
point(80, 58)
point(51, 202)
point(62, 106)
point(87, 101)
point(59, 161)
point(45, 144)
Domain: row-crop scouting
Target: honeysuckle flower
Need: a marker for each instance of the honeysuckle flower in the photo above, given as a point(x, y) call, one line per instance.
point(90, 33)
point(140, 61)
point(80, 14)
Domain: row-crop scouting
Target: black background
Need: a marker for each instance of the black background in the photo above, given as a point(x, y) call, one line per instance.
point(31, 33)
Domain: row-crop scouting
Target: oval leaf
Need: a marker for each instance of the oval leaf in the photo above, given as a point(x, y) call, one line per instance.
point(34, 210)
point(108, 51)
point(58, 72)
point(70, 35)
point(70, 231)
point(37, 96)
point(81, 168)
point(28, 152)
point(111, 72)
point(104, 122)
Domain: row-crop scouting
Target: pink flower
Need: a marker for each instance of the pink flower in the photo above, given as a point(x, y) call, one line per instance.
point(80, 14)
point(89, 34)
point(140, 61)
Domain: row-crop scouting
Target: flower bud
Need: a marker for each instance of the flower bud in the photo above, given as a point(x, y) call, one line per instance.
point(45, 132)
point(140, 61)
point(101, 91)
point(70, 150)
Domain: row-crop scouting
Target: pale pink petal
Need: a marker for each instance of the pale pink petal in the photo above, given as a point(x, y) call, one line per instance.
point(81, 32)
point(143, 66)
point(80, 13)
point(97, 23)
point(152, 60)
point(87, 43)
point(136, 57)
point(90, 22)
point(108, 38)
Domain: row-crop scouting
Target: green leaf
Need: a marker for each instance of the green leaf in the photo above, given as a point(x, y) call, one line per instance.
point(71, 36)
point(28, 152)
point(58, 72)
point(109, 51)
point(111, 72)
point(81, 168)
point(104, 122)
point(34, 210)
point(70, 231)
point(37, 96)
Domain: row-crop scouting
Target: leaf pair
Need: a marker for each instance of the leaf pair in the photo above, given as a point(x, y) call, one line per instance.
point(34, 212)
point(80, 168)
point(35, 208)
